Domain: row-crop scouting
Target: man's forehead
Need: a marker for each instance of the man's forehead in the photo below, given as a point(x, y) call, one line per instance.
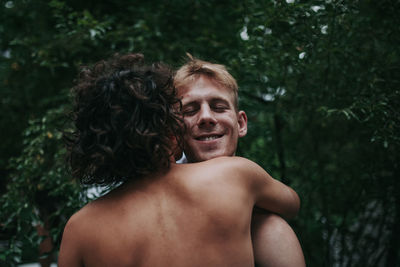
point(204, 87)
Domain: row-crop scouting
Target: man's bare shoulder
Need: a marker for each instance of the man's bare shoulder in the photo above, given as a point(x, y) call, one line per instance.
point(81, 221)
point(233, 166)
point(222, 173)
point(91, 216)
point(225, 161)
point(75, 238)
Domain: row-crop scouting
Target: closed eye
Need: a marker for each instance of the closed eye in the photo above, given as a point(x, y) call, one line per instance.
point(220, 107)
point(189, 111)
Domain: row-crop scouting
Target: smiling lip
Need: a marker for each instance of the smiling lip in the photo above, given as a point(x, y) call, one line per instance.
point(208, 137)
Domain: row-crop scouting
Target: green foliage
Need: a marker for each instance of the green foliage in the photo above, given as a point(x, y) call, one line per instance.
point(321, 86)
point(318, 80)
point(39, 190)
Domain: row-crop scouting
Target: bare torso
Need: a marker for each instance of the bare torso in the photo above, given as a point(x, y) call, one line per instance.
point(185, 217)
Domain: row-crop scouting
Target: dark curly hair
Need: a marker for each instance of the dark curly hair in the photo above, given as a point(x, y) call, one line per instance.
point(126, 114)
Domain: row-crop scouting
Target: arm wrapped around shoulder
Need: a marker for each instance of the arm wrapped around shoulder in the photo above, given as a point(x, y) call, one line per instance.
point(269, 194)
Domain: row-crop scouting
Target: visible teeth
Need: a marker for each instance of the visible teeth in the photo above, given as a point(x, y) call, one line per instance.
point(208, 138)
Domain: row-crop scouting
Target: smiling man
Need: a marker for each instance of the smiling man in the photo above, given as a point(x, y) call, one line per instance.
point(214, 124)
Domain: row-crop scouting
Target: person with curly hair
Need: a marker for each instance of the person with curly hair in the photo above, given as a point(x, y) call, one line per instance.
point(128, 125)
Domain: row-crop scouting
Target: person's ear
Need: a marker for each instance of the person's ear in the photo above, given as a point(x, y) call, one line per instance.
point(242, 123)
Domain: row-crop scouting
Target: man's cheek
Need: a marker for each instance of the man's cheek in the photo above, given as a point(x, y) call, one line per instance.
point(188, 126)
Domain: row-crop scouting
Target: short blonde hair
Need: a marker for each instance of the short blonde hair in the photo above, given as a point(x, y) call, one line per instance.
point(194, 68)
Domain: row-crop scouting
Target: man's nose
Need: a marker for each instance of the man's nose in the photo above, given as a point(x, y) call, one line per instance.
point(206, 117)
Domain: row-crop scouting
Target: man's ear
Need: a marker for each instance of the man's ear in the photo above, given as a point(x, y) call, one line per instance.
point(242, 122)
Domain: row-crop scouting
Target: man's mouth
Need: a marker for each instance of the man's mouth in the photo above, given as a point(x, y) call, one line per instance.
point(208, 137)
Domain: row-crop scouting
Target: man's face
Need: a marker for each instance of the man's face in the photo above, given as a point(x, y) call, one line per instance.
point(213, 125)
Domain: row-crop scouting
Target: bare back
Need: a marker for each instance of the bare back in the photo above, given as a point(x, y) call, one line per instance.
point(193, 215)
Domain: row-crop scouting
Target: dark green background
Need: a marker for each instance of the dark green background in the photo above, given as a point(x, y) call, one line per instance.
point(319, 81)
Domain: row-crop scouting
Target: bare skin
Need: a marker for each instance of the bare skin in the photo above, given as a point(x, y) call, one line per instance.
point(274, 241)
point(191, 215)
point(213, 128)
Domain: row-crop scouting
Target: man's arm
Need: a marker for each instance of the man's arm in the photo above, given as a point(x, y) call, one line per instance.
point(269, 194)
point(275, 244)
point(274, 241)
